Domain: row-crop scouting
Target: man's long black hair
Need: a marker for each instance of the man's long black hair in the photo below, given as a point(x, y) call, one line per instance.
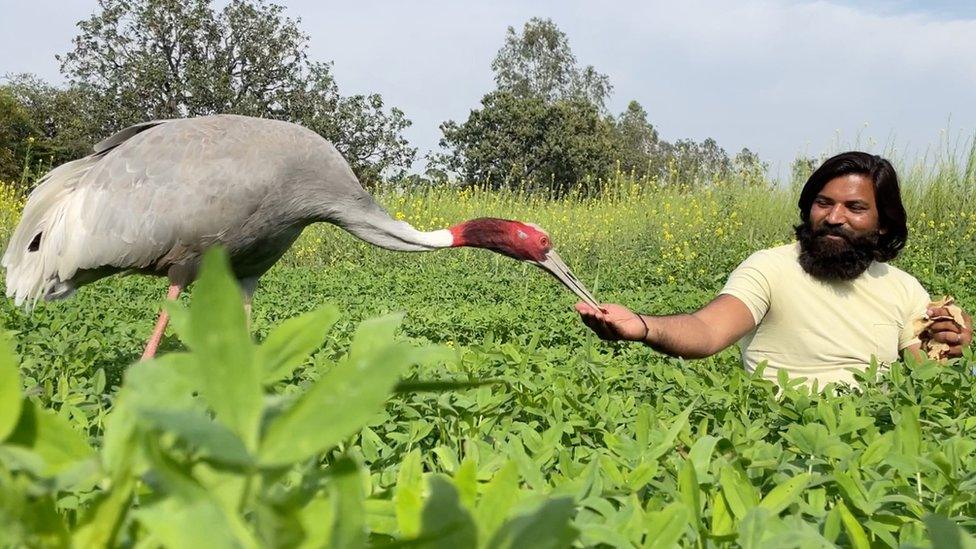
point(892, 219)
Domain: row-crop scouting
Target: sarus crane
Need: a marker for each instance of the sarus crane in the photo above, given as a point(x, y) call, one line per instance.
point(154, 197)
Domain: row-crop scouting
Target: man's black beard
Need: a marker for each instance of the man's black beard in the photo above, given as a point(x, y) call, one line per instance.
point(829, 259)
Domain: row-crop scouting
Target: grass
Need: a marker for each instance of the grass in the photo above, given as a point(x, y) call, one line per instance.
point(637, 440)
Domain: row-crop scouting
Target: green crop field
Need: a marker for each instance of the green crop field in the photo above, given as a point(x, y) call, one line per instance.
point(454, 399)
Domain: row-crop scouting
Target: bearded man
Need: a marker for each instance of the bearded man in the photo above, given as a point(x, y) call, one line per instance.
point(819, 308)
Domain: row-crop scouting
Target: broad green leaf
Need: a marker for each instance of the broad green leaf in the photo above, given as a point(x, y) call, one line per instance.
point(642, 475)
point(161, 394)
point(408, 497)
point(667, 443)
point(336, 406)
point(592, 534)
point(853, 492)
point(51, 438)
point(104, 519)
point(190, 513)
point(179, 320)
point(666, 527)
point(341, 401)
point(500, 495)
point(346, 490)
point(946, 534)
point(213, 440)
point(722, 522)
point(855, 533)
point(466, 482)
point(288, 345)
point(882, 532)
point(195, 523)
point(754, 527)
point(317, 518)
point(832, 525)
point(445, 523)
point(813, 439)
point(223, 349)
point(10, 397)
point(372, 333)
point(908, 432)
point(701, 453)
point(642, 427)
point(549, 527)
point(785, 494)
point(610, 471)
point(380, 514)
point(165, 383)
point(689, 492)
point(120, 445)
point(739, 493)
point(30, 520)
point(527, 468)
point(877, 450)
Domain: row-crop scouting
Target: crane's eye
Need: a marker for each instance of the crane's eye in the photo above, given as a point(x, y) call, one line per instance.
point(544, 241)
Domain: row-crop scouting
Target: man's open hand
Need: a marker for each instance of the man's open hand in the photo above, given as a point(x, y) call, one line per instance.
point(613, 322)
point(948, 332)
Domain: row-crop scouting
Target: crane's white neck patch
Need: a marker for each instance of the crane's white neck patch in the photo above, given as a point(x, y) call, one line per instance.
point(438, 239)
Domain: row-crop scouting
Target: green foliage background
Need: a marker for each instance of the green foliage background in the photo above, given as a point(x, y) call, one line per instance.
point(511, 425)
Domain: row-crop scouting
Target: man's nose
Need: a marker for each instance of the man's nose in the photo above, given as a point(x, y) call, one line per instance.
point(836, 215)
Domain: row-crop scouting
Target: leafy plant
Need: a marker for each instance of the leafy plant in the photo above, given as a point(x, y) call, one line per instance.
point(198, 451)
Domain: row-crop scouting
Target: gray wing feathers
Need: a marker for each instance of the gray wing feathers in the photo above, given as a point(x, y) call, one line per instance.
point(172, 190)
point(119, 137)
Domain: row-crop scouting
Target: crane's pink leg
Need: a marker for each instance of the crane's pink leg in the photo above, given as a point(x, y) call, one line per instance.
point(173, 293)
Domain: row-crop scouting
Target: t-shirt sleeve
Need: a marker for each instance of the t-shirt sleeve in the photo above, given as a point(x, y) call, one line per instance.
point(750, 283)
point(917, 301)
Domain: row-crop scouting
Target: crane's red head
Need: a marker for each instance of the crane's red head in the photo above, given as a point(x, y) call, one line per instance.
point(522, 241)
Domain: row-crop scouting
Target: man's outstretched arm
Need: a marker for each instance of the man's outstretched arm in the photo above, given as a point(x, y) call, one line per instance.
point(696, 335)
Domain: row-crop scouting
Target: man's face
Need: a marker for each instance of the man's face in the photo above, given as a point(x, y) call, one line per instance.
point(846, 203)
point(839, 241)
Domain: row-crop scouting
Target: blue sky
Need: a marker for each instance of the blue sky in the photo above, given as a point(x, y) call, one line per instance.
point(780, 77)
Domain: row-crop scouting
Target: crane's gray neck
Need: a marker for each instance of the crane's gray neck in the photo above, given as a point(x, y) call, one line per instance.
point(368, 221)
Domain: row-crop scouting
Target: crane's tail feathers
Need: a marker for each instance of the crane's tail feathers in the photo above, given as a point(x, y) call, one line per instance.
point(35, 268)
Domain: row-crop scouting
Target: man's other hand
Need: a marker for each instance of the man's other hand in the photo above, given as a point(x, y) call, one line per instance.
point(948, 332)
point(613, 322)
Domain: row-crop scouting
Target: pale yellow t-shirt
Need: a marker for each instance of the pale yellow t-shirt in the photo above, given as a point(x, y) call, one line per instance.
point(817, 329)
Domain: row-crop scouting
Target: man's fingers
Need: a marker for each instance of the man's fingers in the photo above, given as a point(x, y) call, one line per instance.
point(598, 326)
point(952, 338)
point(585, 308)
point(944, 326)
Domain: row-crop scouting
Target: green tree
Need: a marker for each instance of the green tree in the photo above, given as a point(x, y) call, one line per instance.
point(692, 163)
point(538, 62)
point(150, 59)
point(543, 127)
point(16, 132)
point(801, 168)
point(63, 121)
point(748, 168)
point(638, 148)
point(515, 140)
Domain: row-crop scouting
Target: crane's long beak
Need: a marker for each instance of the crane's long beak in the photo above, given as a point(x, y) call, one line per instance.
point(555, 265)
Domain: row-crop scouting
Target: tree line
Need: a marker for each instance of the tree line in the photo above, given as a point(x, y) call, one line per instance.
point(545, 125)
